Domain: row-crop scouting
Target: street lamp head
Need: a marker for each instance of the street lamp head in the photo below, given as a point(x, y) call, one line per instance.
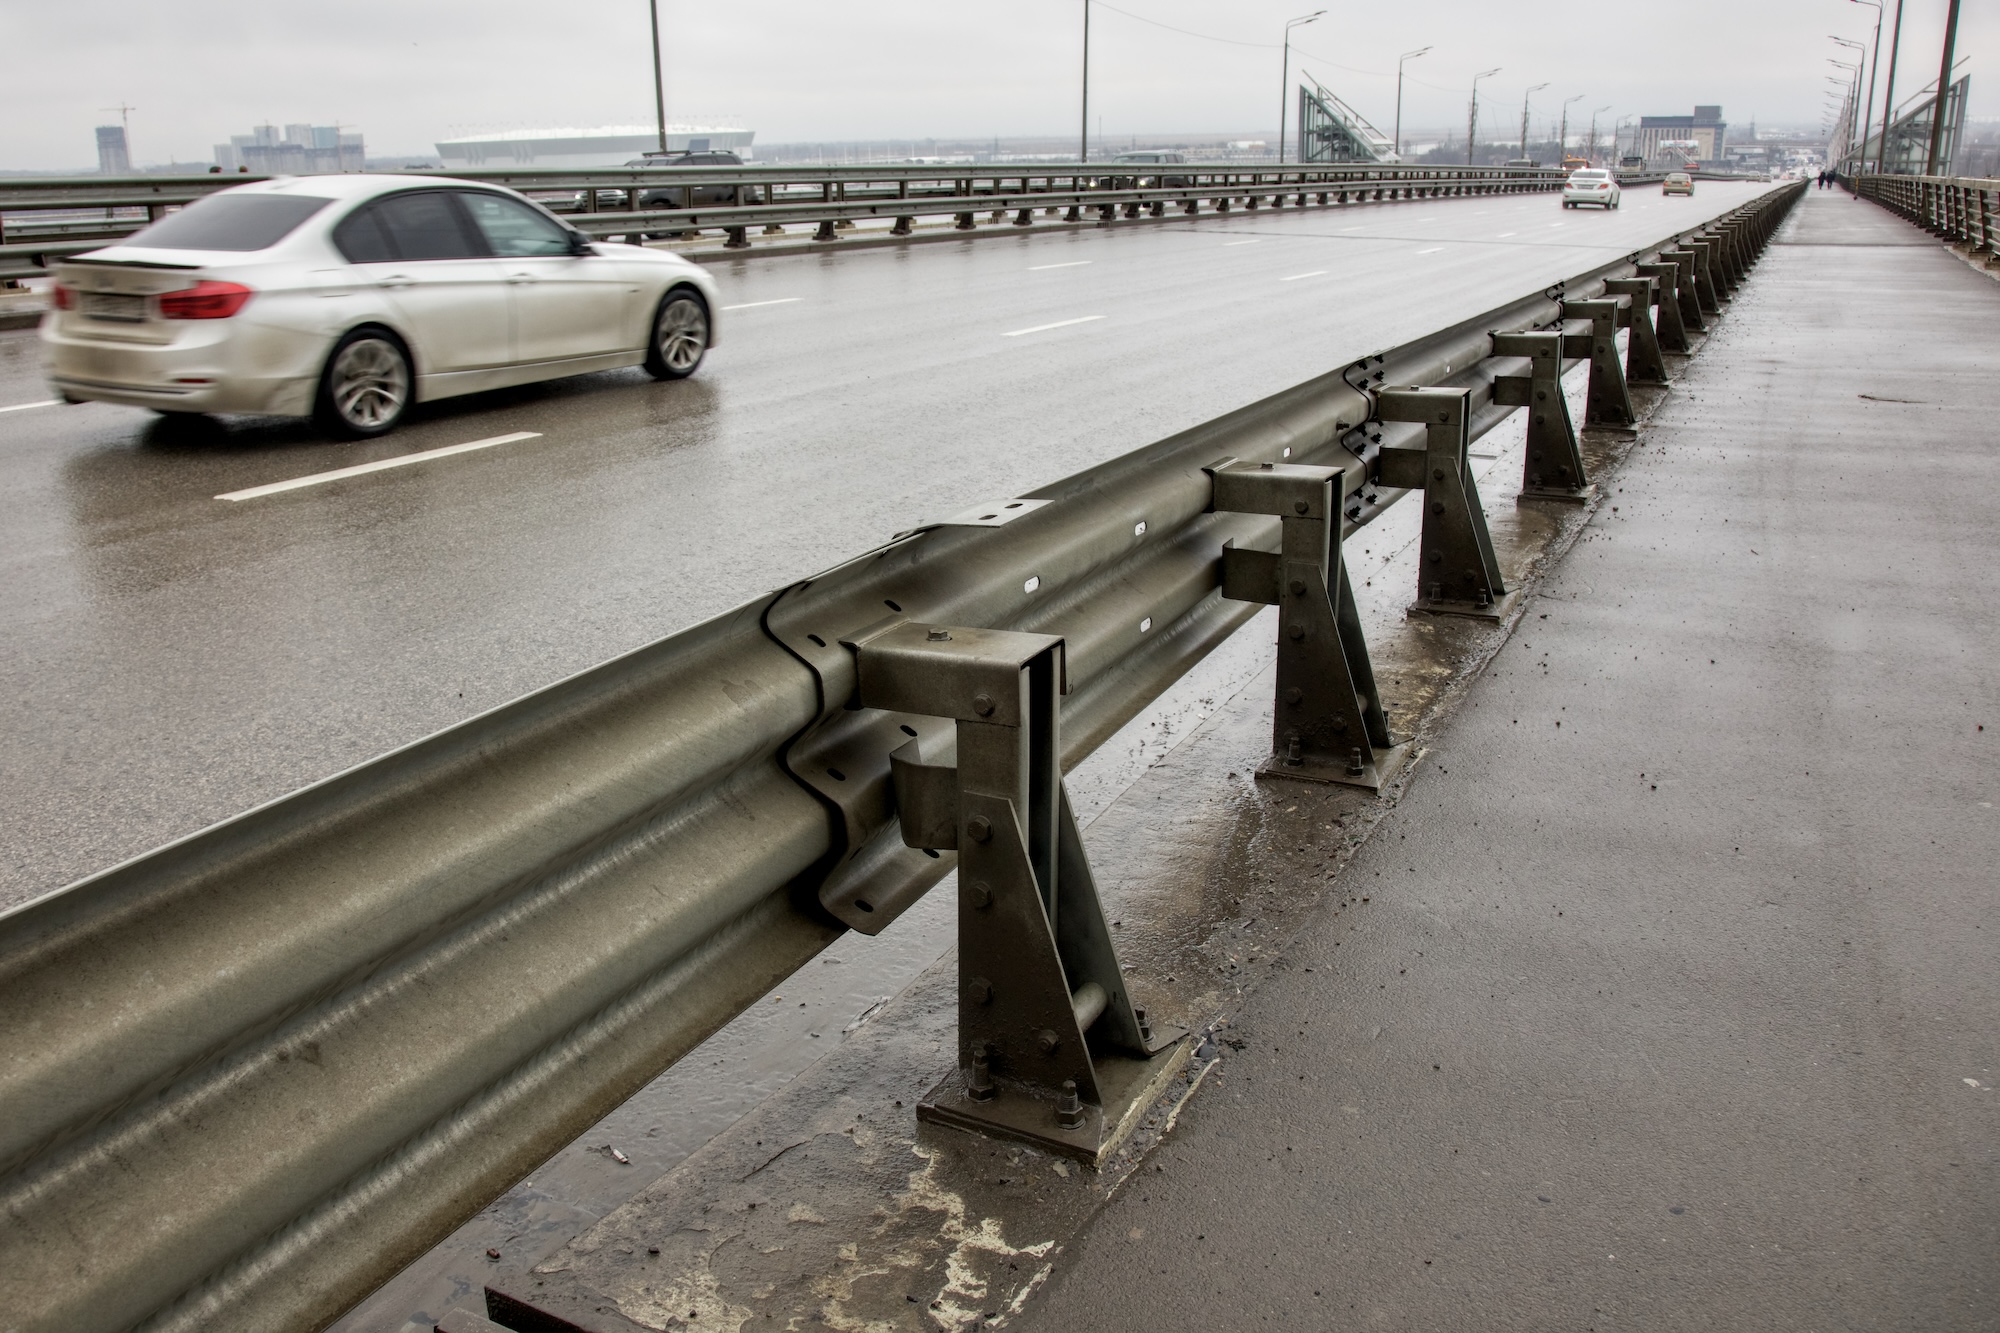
point(1303, 19)
point(1412, 55)
point(1538, 87)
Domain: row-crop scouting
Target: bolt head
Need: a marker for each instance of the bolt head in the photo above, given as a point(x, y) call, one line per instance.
point(982, 704)
point(979, 827)
point(939, 636)
point(1298, 587)
point(980, 893)
point(1296, 632)
point(980, 990)
point(1300, 506)
point(1047, 1042)
point(1295, 696)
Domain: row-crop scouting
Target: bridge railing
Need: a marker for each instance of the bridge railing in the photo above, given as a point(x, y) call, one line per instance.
point(46, 219)
point(247, 1077)
point(1962, 210)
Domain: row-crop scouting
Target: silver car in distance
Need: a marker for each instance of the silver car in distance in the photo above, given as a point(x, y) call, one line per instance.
point(348, 298)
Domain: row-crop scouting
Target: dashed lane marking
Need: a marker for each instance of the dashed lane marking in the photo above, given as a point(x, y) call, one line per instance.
point(1043, 268)
point(1316, 273)
point(1044, 328)
point(752, 305)
point(22, 407)
point(381, 465)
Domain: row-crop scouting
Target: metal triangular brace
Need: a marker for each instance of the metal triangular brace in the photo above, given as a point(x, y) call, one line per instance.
point(1457, 574)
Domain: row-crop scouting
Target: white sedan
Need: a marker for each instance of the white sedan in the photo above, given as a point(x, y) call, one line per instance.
point(1591, 185)
point(348, 298)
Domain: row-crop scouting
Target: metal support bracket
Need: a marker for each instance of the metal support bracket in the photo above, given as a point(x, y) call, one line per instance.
point(1644, 363)
point(1458, 574)
point(1606, 402)
point(1327, 724)
point(1671, 329)
point(1051, 1049)
point(1684, 286)
point(1553, 468)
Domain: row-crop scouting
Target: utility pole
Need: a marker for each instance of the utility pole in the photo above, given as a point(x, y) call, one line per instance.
point(1083, 134)
point(1854, 116)
point(1590, 149)
point(1931, 162)
point(1562, 134)
point(659, 77)
point(1285, 79)
point(1472, 117)
point(1524, 115)
point(1889, 92)
point(1406, 56)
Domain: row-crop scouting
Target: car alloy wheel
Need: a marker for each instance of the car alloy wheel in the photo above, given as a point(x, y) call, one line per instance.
point(367, 385)
point(680, 337)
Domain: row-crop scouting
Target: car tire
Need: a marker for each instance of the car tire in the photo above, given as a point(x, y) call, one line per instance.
point(679, 336)
point(367, 385)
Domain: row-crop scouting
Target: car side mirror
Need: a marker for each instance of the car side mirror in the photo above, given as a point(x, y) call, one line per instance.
point(579, 244)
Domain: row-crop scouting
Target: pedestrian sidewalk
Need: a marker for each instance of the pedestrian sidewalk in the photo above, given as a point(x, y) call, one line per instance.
point(1676, 1002)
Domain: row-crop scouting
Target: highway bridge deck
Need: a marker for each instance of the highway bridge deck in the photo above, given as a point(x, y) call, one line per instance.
point(1662, 998)
point(1675, 1005)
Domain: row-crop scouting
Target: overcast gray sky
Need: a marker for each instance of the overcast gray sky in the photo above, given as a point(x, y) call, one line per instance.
point(408, 72)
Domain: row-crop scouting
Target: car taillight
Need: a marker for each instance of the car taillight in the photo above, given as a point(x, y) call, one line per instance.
point(65, 297)
point(205, 300)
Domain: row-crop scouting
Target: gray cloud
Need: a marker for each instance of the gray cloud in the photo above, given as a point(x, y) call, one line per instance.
point(408, 72)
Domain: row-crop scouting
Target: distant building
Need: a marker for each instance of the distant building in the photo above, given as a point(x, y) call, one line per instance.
point(1682, 140)
point(113, 158)
point(301, 150)
point(575, 149)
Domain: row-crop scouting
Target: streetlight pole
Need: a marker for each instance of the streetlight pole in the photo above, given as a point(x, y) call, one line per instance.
point(1874, 68)
point(1472, 118)
point(1889, 91)
point(1083, 135)
point(1524, 115)
point(1285, 79)
point(1854, 93)
point(1562, 134)
point(659, 78)
point(1590, 150)
point(1406, 56)
point(1944, 84)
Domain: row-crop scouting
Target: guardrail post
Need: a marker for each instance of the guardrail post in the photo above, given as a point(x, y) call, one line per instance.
point(904, 226)
point(965, 222)
point(1025, 218)
point(1553, 467)
point(1684, 291)
point(1051, 1049)
point(1644, 363)
point(739, 238)
point(1606, 402)
point(1327, 723)
point(1704, 275)
point(825, 231)
point(1457, 574)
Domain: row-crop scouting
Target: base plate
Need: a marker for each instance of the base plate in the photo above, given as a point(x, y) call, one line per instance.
point(1129, 1084)
point(1576, 495)
point(1495, 611)
point(1615, 432)
point(1373, 776)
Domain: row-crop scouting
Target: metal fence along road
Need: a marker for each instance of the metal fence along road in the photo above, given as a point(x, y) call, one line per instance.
point(1958, 209)
point(247, 1077)
point(41, 220)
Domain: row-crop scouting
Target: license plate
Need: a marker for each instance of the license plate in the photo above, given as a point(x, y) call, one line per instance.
point(112, 305)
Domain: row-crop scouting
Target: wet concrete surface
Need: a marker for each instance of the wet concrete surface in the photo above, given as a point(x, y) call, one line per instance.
point(169, 659)
point(1669, 1001)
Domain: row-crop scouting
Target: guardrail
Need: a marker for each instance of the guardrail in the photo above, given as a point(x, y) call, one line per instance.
point(247, 1077)
point(1960, 210)
point(42, 220)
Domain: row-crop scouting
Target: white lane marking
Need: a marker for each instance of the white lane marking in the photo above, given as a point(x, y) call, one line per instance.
point(1059, 324)
point(1316, 273)
point(1505, 234)
point(22, 407)
point(752, 305)
point(1554, 225)
point(1436, 249)
point(359, 469)
point(1252, 241)
point(1354, 228)
point(1043, 268)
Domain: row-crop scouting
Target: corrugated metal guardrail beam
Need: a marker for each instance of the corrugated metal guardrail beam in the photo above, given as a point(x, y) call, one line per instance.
point(245, 1078)
point(35, 214)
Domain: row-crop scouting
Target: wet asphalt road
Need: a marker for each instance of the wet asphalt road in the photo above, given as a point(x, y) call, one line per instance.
point(168, 659)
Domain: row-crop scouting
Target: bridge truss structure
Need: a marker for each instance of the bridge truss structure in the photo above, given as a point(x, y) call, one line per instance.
point(1331, 131)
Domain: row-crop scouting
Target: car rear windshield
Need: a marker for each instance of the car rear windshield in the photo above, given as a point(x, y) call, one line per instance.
point(230, 222)
point(1590, 175)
